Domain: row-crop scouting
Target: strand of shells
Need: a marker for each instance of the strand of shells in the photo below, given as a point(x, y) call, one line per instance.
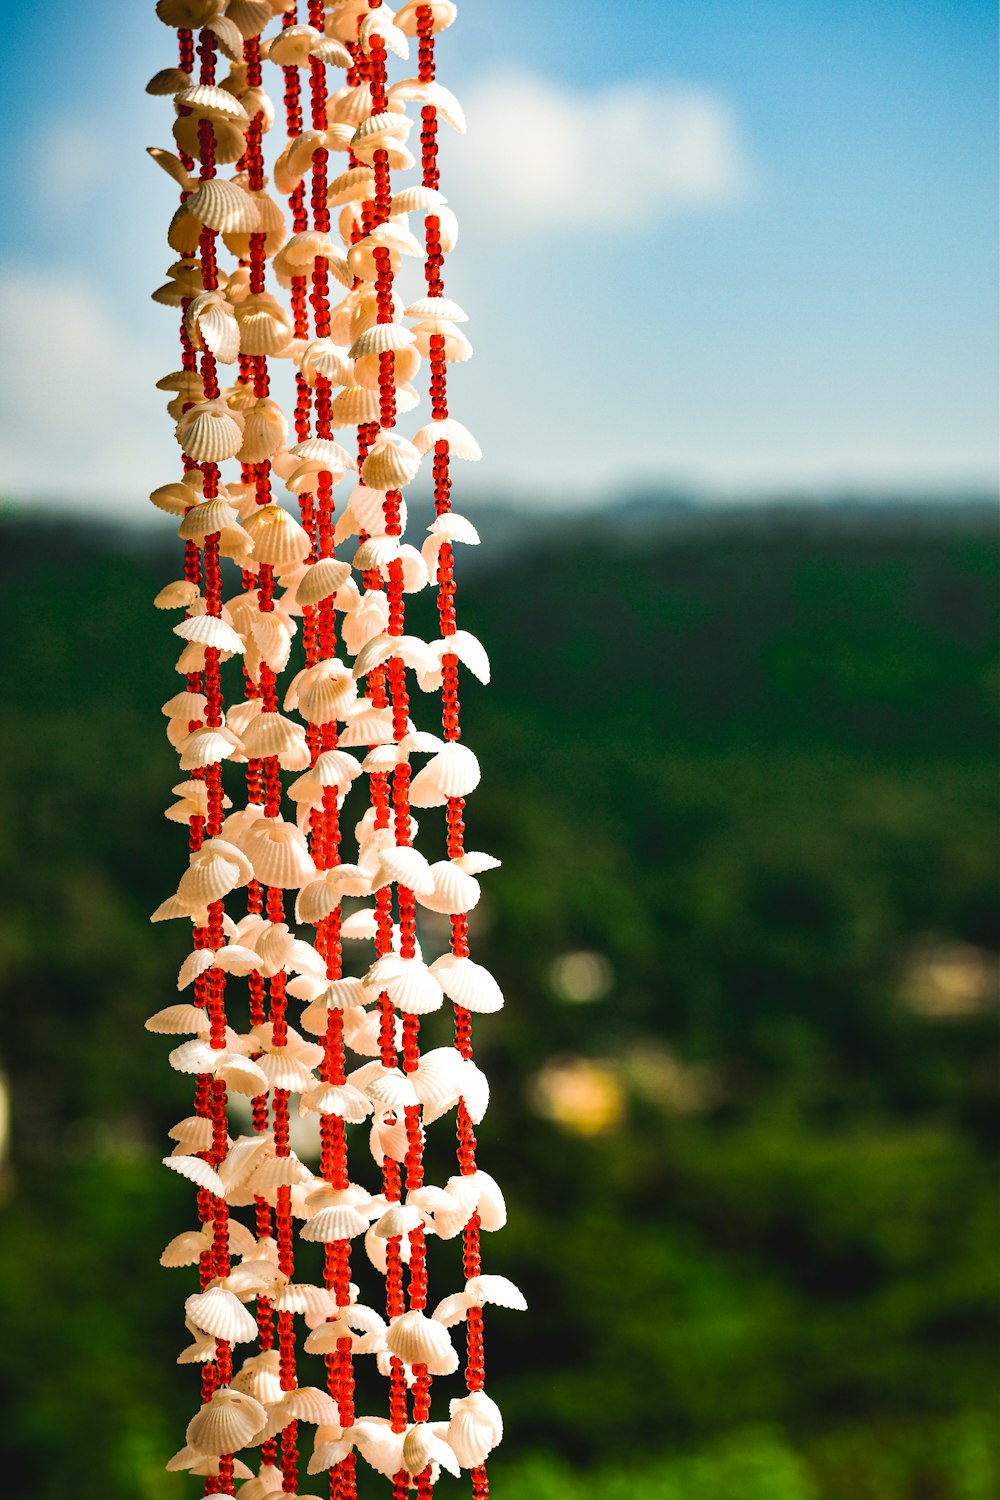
point(334, 632)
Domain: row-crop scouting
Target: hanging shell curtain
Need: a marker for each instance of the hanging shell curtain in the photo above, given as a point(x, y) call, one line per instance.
point(310, 996)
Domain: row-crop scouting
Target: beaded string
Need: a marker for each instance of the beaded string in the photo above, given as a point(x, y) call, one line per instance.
point(433, 271)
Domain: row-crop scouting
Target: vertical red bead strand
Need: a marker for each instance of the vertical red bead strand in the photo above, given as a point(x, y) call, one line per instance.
point(474, 1371)
point(214, 978)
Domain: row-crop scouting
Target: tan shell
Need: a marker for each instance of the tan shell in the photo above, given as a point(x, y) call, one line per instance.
point(405, 364)
point(380, 338)
point(454, 890)
point(279, 854)
point(208, 101)
point(325, 358)
point(211, 324)
point(172, 165)
point(353, 405)
point(251, 16)
point(222, 205)
point(324, 578)
point(271, 734)
point(349, 106)
point(468, 984)
point(415, 200)
point(277, 537)
point(408, 982)
point(392, 462)
point(265, 326)
point(178, 1020)
point(206, 747)
point(352, 186)
point(210, 630)
point(418, 1340)
point(216, 517)
point(209, 432)
point(168, 81)
point(265, 431)
point(457, 347)
point(432, 93)
point(228, 138)
point(326, 692)
point(460, 440)
point(271, 225)
point(226, 1423)
point(475, 1429)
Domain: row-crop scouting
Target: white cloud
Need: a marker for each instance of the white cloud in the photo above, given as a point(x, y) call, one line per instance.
point(630, 154)
point(79, 418)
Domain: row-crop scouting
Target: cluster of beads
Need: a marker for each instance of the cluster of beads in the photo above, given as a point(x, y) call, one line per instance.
point(323, 677)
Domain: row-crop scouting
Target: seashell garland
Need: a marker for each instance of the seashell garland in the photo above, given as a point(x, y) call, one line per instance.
point(381, 1057)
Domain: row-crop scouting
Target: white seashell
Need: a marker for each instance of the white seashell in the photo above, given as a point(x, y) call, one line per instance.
point(353, 405)
point(220, 204)
point(379, 1446)
point(321, 897)
point(229, 1421)
point(387, 1087)
point(453, 772)
point(178, 1020)
point(210, 630)
point(209, 432)
point(381, 338)
point(211, 324)
point(279, 853)
point(265, 326)
point(176, 595)
point(408, 982)
point(272, 734)
point(186, 1249)
point(380, 22)
point(215, 518)
point(454, 890)
point(211, 875)
point(410, 650)
point(456, 347)
point(407, 867)
point(265, 431)
point(418, 1340)
point(497, 1290)
point(352, 186)
point(433, 93)
point(323, 579)
point(447, 229)
point(438, 1080)
point(437, 307)
point(258, 1377)
point(222, 1314)
point(416, 199)
point(360, 925)
point(325, 692)
point(475, 1429)
point(209, 102)
point(277, 537)
point(337, 1222)
point(305, 1404)
point(469, 651)
point(399, 1219)
point(424, 1444)
point(468, 984)
point(269, 1480)
point(461, 443)
point(197, 1171)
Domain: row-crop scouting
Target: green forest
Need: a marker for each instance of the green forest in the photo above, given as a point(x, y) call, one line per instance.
point(741, 773)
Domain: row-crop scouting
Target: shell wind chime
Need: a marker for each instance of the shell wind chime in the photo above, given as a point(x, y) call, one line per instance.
point(303, 852)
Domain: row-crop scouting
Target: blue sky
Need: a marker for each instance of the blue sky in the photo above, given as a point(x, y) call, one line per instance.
point(738, 248)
